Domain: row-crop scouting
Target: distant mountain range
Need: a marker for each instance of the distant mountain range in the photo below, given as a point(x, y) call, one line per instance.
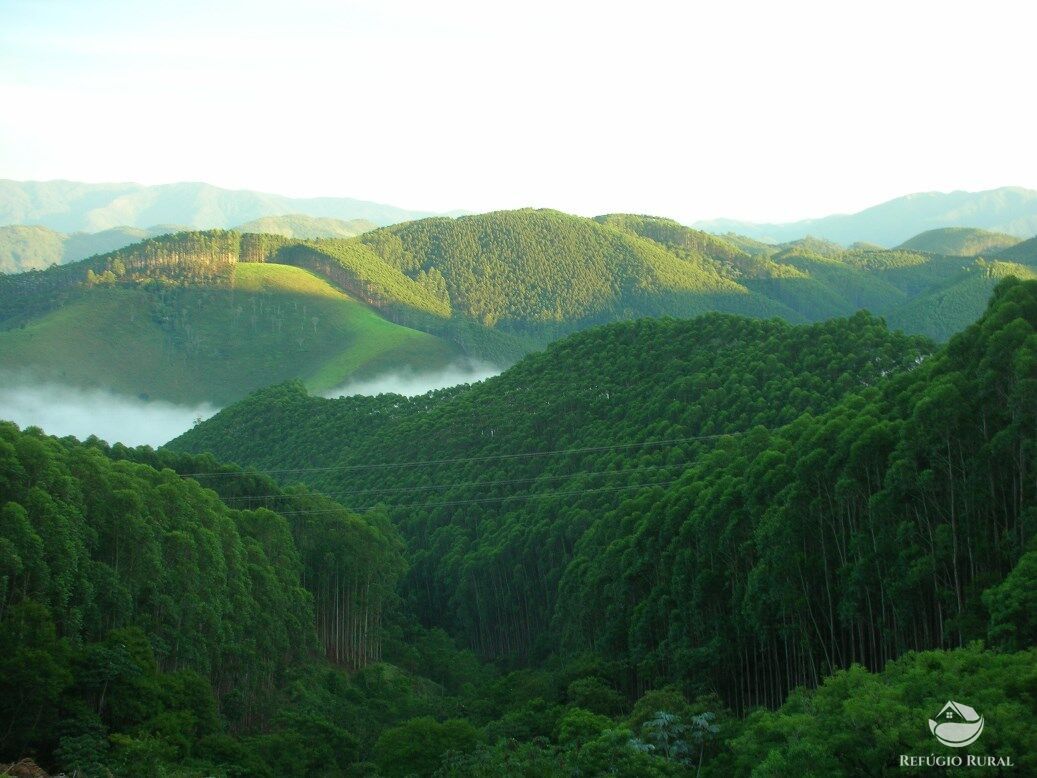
point(71, 206)
point(1010, 210)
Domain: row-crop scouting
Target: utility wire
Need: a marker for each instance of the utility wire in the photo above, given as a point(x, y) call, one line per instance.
point(526, 496)
point(458, 460)
point(463, 484)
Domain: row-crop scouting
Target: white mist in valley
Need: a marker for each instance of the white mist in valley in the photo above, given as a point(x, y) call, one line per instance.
point(64, 410)
point(411, 383)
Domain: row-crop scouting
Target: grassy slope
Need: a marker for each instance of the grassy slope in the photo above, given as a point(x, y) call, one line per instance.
point(217, 344)
point(959, 241)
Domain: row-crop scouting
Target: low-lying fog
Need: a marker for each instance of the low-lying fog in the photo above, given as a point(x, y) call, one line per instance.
point(412, 383)
point(64, 410)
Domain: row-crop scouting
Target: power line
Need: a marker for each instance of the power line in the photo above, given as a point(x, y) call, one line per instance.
point(463, 484)
point(458, 460)
point(526, 496)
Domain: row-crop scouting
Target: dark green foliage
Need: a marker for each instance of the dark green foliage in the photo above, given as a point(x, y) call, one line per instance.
point(852, 536)
point(859, 723)
point(141, 617)
point(721, 546)
point(417, 747)
point(878, 501)
point(495, 580)
point(1013, 606)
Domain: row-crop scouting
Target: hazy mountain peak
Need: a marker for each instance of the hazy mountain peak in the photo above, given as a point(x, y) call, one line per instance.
point(1011, 210)
point(71, 206)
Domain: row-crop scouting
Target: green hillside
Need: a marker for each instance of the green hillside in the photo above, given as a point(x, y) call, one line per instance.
point(541, 273)
point(691, 547)
point(850, 513)
point(301, 226)
point(1025, 252)
point(938, 313)
point(959, 242)
point(491, 287)
point(268, 323)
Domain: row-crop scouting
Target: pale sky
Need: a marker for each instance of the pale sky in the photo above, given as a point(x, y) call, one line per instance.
point(762, 110)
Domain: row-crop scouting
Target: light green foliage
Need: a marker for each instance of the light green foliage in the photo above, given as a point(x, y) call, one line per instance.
point(194, 343)
point(1025, 252)
point(303, 227)
point(165, 318)
point(960, 242)
point(858, 722)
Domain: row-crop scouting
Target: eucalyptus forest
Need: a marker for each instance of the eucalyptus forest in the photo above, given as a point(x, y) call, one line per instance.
point(517, 390)
point(715, 545)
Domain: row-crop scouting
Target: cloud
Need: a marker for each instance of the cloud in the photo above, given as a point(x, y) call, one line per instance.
point(64, 410)
point(410, 382)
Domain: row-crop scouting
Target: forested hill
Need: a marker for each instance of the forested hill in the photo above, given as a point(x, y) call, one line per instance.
point(869, 504)
point(1025, 252)
point(211, 316)
point(960, 241)
point(181, 318)
point(494, 525)
point(543, 273)
point(631, 381)
point(904, 477)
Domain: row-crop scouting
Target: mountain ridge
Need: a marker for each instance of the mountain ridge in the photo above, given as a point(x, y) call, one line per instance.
point(1009, 209)
point(71, 206)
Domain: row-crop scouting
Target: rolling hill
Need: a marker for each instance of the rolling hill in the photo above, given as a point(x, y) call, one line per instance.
point(215, 342)
point(1025, 252)
point(72, 206)
point(740, 526)
point(959, 241)
point(1010, 210)
point(489, 287)
point(677, 497)
point(298, 225)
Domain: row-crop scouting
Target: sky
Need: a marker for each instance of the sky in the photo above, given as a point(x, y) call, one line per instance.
point(762, 111)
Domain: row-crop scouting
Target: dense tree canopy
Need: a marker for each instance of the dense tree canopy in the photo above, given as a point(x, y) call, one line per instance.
point(660, 547)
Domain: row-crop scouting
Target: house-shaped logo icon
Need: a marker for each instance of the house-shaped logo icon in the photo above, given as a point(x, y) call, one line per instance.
point(956, 725)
